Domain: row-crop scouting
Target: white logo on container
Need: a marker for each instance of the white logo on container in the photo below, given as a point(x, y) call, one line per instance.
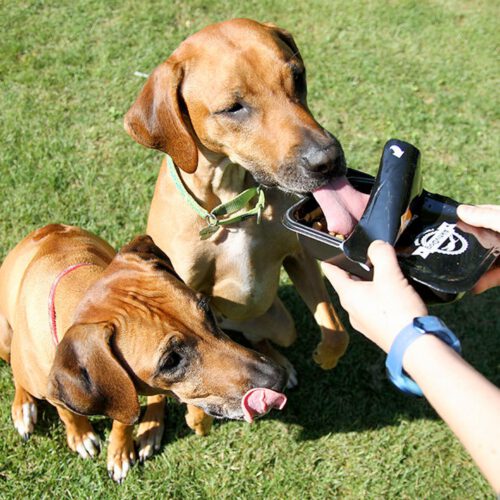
point(443, 239)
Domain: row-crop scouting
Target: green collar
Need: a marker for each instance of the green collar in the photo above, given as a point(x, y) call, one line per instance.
point(213, 217)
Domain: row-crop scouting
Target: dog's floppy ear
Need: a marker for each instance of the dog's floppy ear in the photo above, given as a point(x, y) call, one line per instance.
point(145, 248)
point(87, 378)
point(155, 119)
point(286, 37)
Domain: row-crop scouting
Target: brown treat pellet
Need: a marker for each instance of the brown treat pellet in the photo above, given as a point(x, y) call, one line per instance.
point(319, 226)
point(315, 214)
point(318, 223)
point(337, 235)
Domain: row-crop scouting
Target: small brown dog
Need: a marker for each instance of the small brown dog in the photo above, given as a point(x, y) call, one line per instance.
point(229, 107)
point(89, 330)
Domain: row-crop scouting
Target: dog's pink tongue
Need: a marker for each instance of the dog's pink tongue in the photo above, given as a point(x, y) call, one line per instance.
point(259, 401)
point(342, 205)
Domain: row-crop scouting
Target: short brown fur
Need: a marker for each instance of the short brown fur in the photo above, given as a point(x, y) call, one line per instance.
point(127, 326)
point(230, 107)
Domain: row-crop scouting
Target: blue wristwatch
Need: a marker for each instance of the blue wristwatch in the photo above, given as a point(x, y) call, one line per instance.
point(422, 325)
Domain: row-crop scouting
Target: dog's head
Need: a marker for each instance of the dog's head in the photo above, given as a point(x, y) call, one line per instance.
point(237, 90)
point(140, 330)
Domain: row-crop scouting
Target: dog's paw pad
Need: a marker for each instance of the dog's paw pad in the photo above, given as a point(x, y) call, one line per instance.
point(148, 439)
point(87, 446)
point(24, 418)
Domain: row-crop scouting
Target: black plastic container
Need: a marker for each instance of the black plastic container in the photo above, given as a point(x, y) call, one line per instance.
point(443, 258)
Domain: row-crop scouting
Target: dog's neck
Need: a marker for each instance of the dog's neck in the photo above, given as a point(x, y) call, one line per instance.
point(216, 182)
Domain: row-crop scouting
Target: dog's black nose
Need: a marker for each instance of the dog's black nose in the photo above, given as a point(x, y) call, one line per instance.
point(269, 374)
point(324, 161)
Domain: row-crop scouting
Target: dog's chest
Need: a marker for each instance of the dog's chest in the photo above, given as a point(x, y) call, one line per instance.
point(236, 262)
point(239, 266)
point(241, 271)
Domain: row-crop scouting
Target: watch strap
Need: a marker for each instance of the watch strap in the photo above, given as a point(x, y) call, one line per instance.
point(417, 328)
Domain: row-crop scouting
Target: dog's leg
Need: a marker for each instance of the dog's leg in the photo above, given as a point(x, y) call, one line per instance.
point(150, 431)
point(121, 452)
point(5, 338)
point(198, 420)
point(24, 412)
point(306, 276)
point(276, 324)
point(79, 433)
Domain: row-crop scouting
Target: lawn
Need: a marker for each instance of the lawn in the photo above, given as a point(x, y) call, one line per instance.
point(422, 71)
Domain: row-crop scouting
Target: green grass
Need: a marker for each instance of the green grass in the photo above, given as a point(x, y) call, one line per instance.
point(423, 71)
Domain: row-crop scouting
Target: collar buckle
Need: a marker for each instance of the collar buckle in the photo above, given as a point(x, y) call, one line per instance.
point(211, 219)
point(224, 209)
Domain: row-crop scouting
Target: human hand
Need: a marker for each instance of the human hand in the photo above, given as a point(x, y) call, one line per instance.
point(380, 308)
point(483, 216)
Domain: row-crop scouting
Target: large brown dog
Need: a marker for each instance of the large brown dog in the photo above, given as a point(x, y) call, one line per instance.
point(229, 107)
point(127, 325)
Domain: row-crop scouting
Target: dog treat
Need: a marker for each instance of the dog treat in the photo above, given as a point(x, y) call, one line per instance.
point(315, 214)
point(317, 221)
point(338, 236)
point(319, 225)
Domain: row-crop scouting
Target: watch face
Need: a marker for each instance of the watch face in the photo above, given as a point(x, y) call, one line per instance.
point(429, 323)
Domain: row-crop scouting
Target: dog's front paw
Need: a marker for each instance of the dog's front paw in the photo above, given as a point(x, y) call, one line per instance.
point(330, 350)
point(149, 436)
point(24, 416)
point(198, 420)
point(150, 431)
point(86, 443)
point(121, 456)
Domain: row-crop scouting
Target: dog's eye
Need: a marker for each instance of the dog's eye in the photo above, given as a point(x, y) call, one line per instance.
point(171, 361)
point(236, 109)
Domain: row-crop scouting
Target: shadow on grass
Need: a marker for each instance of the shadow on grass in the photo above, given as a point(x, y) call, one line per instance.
point(356, 395)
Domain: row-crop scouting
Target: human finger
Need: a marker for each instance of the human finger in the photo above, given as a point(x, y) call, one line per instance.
point(487, 216)
point(489, 280)
point(339, 278)
point(384, 260)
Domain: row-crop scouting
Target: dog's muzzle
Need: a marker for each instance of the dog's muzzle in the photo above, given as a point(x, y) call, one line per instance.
point(314, 168)
point(323, 163)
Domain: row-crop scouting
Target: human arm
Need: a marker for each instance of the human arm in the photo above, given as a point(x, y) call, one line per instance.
point(464, 399)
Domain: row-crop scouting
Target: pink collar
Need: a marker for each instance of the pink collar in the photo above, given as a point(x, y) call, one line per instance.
point(52, 296)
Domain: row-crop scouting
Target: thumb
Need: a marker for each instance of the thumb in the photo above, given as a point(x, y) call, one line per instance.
point(384, 260)
point(339, 278)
